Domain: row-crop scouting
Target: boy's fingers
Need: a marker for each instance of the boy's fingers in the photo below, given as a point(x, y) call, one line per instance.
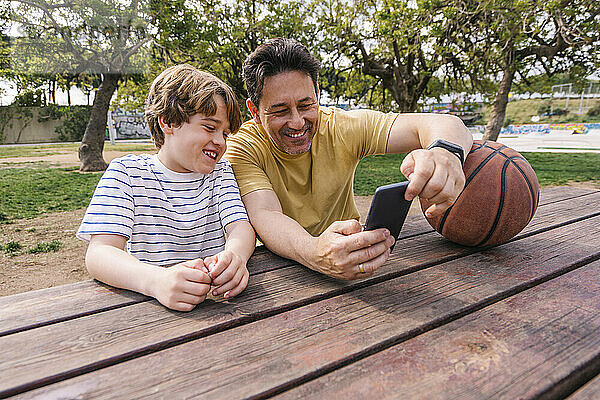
point(197, 263)
point(196, 275)
point(195, 288)
point(222, 263)
point(239, 288)
point(232, 283)
point(190, 298)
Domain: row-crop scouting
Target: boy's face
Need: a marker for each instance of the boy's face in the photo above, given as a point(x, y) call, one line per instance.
point(197, 145)
point(288, 111)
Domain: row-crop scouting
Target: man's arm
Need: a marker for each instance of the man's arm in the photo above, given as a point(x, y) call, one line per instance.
point(337, 252)
point(434, 174)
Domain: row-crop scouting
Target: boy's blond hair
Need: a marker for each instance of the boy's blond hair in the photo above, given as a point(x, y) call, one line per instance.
point(181, 91)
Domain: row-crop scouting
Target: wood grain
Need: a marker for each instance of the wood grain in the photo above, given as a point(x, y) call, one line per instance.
point(47, 306)
point(285, 349)
point(589, 391)
point(526, 346)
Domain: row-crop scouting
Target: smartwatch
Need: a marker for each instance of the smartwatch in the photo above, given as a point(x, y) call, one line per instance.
point(451, 147)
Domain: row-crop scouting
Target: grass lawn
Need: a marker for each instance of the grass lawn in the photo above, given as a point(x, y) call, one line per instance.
point(47, 150)
point(30, 192)
point(551, 169)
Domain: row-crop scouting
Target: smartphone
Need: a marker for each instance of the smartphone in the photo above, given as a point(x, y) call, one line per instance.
point(388, 209)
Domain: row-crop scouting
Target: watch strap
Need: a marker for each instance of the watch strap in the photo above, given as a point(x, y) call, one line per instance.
point(451, 147)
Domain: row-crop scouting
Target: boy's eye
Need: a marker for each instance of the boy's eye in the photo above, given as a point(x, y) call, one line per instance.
point(209, 127)
point(225, 134)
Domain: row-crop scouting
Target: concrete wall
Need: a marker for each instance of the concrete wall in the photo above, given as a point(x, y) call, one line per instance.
point(29, 129)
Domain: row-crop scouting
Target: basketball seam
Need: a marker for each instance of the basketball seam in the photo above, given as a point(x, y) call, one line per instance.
point(468, 180)
point(533, 196)
point(500, 204)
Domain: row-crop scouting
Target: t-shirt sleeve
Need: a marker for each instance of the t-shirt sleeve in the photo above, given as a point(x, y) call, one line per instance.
point(369, 131)
point(231, 208)
point(111, 210)
point(246, 166)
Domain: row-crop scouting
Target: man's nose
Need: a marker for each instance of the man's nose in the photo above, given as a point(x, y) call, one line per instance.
point(296, 120)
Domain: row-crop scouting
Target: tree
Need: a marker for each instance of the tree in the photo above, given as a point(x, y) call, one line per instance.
point(514, 39)
point(219, 35)
point(92, 37)
point(400, 45)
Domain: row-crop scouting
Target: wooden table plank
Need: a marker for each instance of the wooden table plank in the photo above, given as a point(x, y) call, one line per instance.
point(42, 307)
point(590, 391)
point(47, 306)
point(281, 350)
point(540, 342)
point(287, 291)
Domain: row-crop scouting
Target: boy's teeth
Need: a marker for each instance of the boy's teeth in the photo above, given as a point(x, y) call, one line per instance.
point(211, 154)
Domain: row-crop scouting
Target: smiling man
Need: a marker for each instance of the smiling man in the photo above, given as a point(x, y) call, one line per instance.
point(295, 161)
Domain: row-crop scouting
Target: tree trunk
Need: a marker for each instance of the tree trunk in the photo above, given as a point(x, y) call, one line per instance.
point(92, 144)
point(492, 129)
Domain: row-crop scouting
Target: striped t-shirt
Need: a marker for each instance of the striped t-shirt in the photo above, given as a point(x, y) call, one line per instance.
point(168, 217)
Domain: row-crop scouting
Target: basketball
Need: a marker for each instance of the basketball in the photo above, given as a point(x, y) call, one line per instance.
point(499, 199)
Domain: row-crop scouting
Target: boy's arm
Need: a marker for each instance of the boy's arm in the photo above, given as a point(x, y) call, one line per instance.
point(228, 268)
point(179, 287)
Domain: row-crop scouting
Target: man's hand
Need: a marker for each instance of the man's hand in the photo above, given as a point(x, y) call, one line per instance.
point(182, 286)
point(435, 175)
point(228, 272)
point(343, 250)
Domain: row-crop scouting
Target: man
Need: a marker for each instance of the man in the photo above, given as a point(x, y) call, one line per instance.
point(295, 163)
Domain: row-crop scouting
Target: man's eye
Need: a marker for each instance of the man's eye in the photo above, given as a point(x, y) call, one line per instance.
point(279, 112)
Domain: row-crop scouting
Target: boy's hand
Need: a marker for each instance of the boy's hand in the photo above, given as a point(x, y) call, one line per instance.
point(228, 272)
point(183, 286)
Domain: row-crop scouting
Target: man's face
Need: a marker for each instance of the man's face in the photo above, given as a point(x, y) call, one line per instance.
point(288, 111)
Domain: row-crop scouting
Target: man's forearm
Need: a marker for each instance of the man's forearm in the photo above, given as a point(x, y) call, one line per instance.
point(413, 131)
point(284, 236)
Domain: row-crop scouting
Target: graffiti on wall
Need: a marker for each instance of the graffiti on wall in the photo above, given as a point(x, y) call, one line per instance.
point(577, 128)
point(130, 126)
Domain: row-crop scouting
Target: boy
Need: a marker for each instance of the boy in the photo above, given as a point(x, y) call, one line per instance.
point(170, 209)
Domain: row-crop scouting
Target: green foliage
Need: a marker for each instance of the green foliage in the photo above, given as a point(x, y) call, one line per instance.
point(46, 247)
point(27, 193)
point(75, 120)
point(12, 248)
point(30, 98)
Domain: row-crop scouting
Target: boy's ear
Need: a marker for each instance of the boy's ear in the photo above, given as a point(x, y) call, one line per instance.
point(166, 128)
point(253, 110)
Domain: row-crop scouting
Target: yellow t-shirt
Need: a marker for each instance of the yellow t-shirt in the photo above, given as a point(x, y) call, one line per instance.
point(314, 188)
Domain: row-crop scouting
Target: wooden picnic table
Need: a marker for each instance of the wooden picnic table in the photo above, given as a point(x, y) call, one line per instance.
point(439, 320)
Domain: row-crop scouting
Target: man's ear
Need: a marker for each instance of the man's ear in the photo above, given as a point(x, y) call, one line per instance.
point(166, 128)
point(318, 92)
point(253, 110)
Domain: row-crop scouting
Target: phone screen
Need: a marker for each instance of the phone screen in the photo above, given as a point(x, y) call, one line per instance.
point(388, 209)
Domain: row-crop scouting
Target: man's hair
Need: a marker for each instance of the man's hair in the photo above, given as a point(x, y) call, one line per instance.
point(182, 91)
point(274, 57)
